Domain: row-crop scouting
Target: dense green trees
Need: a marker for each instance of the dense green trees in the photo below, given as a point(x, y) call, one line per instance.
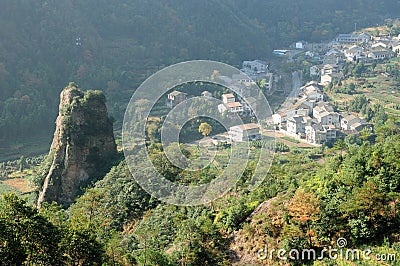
point(375, 114)
point(353, 192)
point(28, 237)
point(113, 201)
point(360, 191)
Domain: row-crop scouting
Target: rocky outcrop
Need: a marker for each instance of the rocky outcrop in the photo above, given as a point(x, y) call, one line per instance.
point(82, 148)
point(260, 229)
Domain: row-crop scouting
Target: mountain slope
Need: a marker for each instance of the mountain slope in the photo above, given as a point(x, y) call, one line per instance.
point(114, 45)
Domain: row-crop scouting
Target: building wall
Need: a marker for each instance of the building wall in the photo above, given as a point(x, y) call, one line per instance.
point(295, 128)
point(326, 79)
point(227, 100)
point(237, 134)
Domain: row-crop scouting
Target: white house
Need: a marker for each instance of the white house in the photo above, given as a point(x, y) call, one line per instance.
point(297, 112)
point(249, 104)
point(255, 66)
point(297, 124)
point(206, 94)
point(331, 132)
point(228, 98)
point(174, 98)
point(381, 54)
point(320, 47)
point(329, 78)
point(311, 92)
point(329, 69)
point(351, 122)
point(354, 38)
point(269, 79)
point(279, 118)
point(241, 78)
point(325, 115)
point(326, 118)
point(300, 45)
point(301, 107)
point(245, 132)
point(318, 134)
point(333, 57)
point(396, 48)
point(315, 134)
point(354, 52)
point(230, 107)
point(379, 45)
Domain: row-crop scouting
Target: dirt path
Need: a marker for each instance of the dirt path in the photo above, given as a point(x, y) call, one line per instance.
point(279, 137)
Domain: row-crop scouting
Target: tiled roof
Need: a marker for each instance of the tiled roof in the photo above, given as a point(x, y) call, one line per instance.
point(249, 126)
point(228, 95)
point(234, 104)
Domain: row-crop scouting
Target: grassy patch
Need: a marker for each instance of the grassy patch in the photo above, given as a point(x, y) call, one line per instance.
point(380, 89)
point(291, 139)
point(19, 184)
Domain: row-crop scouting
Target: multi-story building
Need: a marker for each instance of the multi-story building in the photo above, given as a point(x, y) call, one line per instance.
point(174, 98)
point(245, 132)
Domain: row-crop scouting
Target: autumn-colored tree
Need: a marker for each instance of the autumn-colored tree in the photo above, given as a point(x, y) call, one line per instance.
point(205, 129)
point(304, 208)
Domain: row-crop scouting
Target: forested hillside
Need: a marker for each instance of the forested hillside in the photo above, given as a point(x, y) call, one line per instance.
point(308, 200)
point(114, 45)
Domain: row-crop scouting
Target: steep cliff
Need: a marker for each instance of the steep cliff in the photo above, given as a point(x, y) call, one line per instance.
point(82, 148)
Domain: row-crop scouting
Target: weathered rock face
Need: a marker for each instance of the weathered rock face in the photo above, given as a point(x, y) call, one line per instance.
point(82, 148)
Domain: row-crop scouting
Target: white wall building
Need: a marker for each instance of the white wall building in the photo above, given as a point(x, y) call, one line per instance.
point(255, 66)
point(297, 124)
point(279, 119)
point(351, 122)
point(228, 98)
point(325, 115)
point(245, 132)
point(206, 94)
point(318, 134)
point(174, 98)
point(231, 107)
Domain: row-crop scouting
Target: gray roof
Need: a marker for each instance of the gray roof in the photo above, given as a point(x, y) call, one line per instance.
point(324, 106)
point(352, 120)
point(317, 127)
point(383, 52)
point(296, 119)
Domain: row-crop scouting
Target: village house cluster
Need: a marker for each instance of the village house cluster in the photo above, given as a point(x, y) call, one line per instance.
point(314, 120)
point(347, 47)
point(252, 72)
point(311, 118)
point(229, 105)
